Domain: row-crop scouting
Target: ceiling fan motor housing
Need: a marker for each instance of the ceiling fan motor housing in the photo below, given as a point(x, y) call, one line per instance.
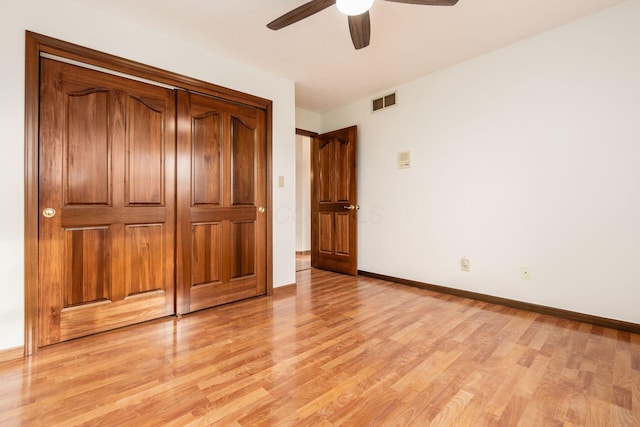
point(353, 7)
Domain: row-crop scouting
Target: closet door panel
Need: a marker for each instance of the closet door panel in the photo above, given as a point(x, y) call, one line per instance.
point(87, 148)
point(206, 253)
point(243, 163)
point(206, 159)
point(106, 230)
point(144, 154)
point(221, 209)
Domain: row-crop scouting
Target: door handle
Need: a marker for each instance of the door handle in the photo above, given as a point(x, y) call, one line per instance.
point(352, 207)
point(49, 212)
point(261, 209)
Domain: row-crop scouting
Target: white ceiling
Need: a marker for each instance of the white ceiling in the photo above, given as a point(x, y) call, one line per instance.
point(407, 41)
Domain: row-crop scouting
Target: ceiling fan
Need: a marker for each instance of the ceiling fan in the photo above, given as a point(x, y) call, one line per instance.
point(356, 10)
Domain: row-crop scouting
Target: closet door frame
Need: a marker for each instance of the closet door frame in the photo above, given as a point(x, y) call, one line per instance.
point(36, 45)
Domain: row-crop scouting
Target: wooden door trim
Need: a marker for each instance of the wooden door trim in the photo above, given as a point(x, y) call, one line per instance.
point(35, 44)
point(89, 56)
point(306, 133)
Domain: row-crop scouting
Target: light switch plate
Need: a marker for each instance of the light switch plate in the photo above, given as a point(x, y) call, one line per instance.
point(404, 160)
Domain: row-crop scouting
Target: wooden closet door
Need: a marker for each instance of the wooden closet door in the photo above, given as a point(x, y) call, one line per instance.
point(107, 202)
point(222, 202)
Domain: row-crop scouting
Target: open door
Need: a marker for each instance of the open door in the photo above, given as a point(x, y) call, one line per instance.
point(334, 207)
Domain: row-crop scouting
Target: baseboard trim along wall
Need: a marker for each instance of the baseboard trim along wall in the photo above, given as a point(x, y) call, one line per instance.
point(285, 290)
point(11, 354)
point(551, 311)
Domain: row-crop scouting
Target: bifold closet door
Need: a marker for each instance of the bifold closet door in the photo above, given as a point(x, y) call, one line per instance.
point(106, 200)
point(222, 202)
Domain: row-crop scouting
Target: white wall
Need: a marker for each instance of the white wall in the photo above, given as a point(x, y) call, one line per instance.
point(308, 120)
point(524, 156)
point(72, 21)
point(303, 193)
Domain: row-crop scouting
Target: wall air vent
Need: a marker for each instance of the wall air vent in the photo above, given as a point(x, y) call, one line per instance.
point(383, 102)
point(378, 104)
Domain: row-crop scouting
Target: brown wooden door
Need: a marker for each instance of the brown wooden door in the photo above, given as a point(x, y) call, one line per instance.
point(334, 204)
point(222, 202)
point(106, 167)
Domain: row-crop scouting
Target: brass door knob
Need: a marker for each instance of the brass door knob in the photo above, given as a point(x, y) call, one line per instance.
point(49, 212)
point(261, 209)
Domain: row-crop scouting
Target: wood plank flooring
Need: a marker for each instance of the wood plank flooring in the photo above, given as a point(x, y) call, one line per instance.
point(303, 261)
point(335, 350)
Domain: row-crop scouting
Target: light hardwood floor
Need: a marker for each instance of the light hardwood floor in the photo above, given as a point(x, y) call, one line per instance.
point(303, 261)
point(335, 350)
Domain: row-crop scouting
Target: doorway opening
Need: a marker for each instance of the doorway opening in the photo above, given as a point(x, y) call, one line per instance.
point(303, 201)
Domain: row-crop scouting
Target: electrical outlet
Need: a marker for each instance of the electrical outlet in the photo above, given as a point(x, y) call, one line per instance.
point(465, 264)
point(525, 272)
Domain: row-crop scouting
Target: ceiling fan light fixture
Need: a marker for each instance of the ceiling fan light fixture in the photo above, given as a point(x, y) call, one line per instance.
point(354, 7)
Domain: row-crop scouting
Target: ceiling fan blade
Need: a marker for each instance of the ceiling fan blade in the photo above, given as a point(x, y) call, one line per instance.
point(428, 2)
point(360, 29)
point(299, 13)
